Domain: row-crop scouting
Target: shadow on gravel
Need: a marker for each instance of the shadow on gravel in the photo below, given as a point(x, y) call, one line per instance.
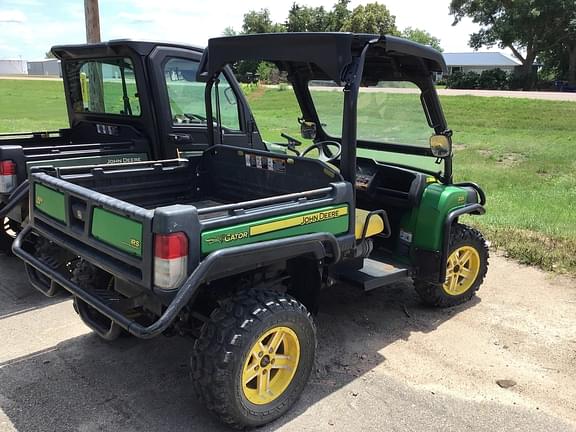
point(132, 385)
point(16, 294)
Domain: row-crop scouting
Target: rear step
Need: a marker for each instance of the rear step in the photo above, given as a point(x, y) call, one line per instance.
point(374, 274)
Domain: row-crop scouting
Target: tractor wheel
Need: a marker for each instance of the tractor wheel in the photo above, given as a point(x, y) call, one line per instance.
point(93, 279)
point(254, 357)
point(467, 267)
point(8, 232)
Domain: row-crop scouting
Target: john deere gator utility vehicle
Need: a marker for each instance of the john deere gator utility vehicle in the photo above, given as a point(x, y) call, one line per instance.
point(233, 246)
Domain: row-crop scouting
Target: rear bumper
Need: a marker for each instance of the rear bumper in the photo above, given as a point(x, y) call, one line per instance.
point(215, 265)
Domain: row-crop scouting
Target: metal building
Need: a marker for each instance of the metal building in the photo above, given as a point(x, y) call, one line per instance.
point(13, 67)
point(50, 67)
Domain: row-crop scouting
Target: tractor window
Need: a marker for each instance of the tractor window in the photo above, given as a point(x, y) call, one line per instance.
point(187, 96)
point(105, 86)
point(388, 112)
point(391, 112)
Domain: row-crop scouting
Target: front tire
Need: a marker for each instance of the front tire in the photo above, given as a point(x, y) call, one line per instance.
point(466, 268)
point(254, 357)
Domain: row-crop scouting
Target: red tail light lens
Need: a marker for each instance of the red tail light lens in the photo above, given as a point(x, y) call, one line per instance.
point(170, 246)
point(7, 168)
point(170, 260)
point(7, 176)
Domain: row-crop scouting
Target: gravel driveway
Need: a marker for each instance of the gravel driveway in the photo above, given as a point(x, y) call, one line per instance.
point(385, 363)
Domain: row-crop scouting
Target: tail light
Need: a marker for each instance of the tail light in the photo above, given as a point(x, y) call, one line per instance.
point(170, 260)
point(7, 176)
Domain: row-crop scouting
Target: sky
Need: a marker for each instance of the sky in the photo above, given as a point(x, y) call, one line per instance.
point(28, 28)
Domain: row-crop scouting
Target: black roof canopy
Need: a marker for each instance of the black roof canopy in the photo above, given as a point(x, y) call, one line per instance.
point(326, 55)
point(114, 48)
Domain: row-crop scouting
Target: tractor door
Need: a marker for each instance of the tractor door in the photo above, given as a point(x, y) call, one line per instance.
point(181, 110)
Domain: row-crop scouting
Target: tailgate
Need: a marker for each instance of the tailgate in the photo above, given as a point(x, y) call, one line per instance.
point(115, 234)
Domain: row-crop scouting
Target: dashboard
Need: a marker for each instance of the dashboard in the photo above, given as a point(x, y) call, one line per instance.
point(395, 185)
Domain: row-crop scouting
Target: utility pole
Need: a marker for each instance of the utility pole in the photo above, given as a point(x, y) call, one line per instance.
point(92, 17)
point(93, 72)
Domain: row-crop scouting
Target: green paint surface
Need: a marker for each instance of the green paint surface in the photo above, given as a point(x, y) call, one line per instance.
point(117, 231)
point(238, 235)
point(50, 202)
point(426, 223)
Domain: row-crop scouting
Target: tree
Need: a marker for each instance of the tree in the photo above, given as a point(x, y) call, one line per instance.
point(260, 22)
point(304, 18)
point(422, 36)
point(371, 18)
point(522, 26)
point(49, 55)
point(560, 55)
point(339, 15)
point(229, 31)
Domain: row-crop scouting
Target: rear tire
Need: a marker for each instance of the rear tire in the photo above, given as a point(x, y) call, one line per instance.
point(91, 278)
point(8, 232)
point(467, 267)
point(255, 332)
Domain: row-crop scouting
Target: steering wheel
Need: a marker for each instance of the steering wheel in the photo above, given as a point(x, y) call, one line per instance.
point(329, 151)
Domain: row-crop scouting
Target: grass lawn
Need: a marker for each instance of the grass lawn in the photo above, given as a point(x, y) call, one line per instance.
point(522, 152)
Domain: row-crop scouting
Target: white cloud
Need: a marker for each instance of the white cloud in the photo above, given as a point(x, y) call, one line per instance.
point(12, 16)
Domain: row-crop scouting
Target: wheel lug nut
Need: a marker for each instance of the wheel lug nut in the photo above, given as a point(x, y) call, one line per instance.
point(272, 361)
point(260, 354)
point(256, 368)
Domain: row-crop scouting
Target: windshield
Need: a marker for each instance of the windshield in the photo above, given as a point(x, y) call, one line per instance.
point(104, 86)
point(389, 112)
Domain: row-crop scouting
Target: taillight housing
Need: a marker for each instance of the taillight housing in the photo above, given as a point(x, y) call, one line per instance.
point(7, 176)
point(170, 260)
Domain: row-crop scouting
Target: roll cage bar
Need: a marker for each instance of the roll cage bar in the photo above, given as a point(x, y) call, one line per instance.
point(348, 59)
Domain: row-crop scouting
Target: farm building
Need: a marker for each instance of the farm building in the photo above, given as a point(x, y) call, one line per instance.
point(49, 67)
point(13, 67)
point(479, 62)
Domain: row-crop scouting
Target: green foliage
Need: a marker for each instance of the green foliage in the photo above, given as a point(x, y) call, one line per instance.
point(523, 26)
point(422, 36)
point(259, 22)
point(339, 15)
point(308, 19)
point(371, 18)
point(229, 31)
point(559, 55)
point(460, 80)
point(493, 79)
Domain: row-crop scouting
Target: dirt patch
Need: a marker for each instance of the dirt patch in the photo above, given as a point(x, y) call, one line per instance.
point(486, 153)
point(510, 159)
point(256, 93)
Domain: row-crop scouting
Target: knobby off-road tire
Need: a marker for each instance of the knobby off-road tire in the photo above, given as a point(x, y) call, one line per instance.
point(467, 267)
point(236, 345)
point(89, 277)
point(7, 236)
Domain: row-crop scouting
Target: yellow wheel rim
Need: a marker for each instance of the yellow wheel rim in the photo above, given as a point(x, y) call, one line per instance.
point(462, 271)
point(270, 365)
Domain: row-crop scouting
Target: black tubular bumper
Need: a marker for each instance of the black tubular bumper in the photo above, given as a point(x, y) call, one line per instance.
point(16, 197)
point(218, 263)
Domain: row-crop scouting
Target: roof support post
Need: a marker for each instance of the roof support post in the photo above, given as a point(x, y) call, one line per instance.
point(352, 79)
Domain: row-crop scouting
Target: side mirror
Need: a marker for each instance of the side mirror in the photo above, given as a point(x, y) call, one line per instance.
point(308, 130)
point(440, 146)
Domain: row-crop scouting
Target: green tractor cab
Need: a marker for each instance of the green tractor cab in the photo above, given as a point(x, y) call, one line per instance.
point(232, 246)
